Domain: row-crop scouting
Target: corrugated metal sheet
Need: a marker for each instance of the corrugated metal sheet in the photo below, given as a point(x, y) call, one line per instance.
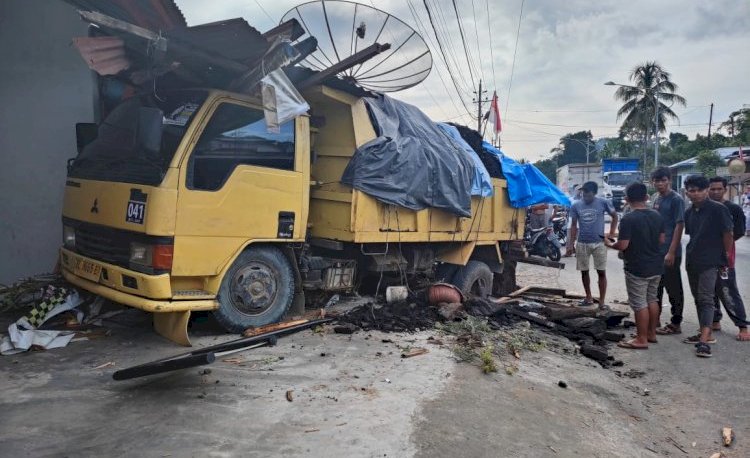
point(104, 55)
point(154, 15)
point(233, 38)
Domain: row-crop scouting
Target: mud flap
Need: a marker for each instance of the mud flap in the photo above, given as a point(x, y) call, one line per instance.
point(173, 326)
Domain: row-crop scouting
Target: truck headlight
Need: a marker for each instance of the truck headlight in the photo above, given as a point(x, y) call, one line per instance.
point(140, 254)
point(69, 237)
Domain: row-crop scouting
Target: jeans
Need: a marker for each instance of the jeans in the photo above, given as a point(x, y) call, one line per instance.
point(729, 295)
point(703, 286)
point(671, 280)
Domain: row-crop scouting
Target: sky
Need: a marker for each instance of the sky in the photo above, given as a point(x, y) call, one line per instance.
point(565, 51)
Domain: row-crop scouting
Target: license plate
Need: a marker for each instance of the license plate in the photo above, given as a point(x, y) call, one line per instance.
point(88, 269)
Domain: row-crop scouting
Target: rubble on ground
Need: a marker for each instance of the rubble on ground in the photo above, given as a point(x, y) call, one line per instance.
point(553, 311)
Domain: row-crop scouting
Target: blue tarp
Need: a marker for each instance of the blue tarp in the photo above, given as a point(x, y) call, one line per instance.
point(526, 184)
point(481, 183)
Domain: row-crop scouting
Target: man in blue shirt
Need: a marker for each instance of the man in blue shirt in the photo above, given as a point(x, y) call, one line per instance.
point(587, 237)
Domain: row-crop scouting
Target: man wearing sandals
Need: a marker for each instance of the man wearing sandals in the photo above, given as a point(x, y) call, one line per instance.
point(641, 237)
point(726, 288)
point(709, 226)
point(671, 207)
point(587, 233)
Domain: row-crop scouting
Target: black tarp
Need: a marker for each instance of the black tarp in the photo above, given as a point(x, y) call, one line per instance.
point(412, 162)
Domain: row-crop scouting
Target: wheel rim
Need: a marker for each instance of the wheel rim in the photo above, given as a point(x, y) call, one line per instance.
point(254, 288)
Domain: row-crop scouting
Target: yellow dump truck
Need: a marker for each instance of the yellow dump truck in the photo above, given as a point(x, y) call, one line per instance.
point(185, 201)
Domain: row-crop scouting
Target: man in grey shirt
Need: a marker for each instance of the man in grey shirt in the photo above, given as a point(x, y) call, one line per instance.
point(587, 215)
point(671, 207)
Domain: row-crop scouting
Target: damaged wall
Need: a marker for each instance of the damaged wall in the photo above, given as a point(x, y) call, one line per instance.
point(45, 88)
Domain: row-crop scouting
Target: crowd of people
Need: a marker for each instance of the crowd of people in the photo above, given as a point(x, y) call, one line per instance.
point(649, 241)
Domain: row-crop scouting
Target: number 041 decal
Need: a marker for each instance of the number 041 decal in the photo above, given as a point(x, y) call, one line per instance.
point(135, 212)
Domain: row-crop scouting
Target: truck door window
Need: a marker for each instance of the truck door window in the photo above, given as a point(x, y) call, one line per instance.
point(237, 135)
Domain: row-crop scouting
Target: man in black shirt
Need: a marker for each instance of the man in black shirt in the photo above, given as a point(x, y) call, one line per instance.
point(641, 237)
point(726, 288)
point(710, 228)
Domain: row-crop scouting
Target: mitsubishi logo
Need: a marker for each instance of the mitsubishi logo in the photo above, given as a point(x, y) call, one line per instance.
point(95, 208)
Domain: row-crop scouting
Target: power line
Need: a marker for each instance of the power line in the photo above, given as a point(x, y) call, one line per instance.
point(489, 31)
point(418, 24)
point(442, 52)
point(476, 34)
point(463, 40)
point(450, 47)
point(264, 11)
point(513, 66)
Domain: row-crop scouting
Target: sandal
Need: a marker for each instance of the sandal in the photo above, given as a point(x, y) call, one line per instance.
point(585, 303)
point(669, 329)
point(630, 345)
point(743, 337)
point(703, 350)
point(634, 335)
point(696, 339)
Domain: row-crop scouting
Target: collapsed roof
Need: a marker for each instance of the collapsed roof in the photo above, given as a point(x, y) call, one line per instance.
point(141, 42)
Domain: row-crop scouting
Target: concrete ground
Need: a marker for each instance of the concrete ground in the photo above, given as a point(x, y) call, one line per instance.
point(355, 395)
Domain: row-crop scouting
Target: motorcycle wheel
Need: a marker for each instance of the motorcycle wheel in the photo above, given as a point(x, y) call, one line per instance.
point(553, 253)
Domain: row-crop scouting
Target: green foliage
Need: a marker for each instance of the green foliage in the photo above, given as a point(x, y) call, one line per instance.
point(488, 361)
point(707, 161)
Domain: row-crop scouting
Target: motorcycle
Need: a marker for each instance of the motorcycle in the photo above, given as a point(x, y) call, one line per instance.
point(560, 228)
point(543, 242)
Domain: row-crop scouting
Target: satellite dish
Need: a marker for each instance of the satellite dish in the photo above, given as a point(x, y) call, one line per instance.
point(344, 28)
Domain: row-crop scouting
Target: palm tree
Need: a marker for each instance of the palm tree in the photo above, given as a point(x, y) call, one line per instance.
point(651, 86)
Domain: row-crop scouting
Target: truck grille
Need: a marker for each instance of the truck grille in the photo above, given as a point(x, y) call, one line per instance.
point(108, 244)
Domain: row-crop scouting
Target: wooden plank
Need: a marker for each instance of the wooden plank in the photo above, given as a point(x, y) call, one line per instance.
point(520, 291)
point(544, 289)
point(250, 332)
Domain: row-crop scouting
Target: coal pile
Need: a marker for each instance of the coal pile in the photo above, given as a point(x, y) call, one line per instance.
point(396, 317)
point(474, 140)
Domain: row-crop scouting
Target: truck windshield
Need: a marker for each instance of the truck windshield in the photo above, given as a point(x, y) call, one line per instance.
point(116, 154)
point(623, 179)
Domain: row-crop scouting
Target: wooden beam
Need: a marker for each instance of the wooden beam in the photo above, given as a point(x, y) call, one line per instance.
point(289, 30)
point(355, 59)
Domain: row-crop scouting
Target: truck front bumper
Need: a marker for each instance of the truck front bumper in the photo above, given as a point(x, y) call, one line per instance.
point(119, 280)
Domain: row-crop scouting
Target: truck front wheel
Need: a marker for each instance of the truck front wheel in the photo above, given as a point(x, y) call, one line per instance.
point(257, 290)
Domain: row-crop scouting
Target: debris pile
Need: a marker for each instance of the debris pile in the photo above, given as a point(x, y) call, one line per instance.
point(553, 310)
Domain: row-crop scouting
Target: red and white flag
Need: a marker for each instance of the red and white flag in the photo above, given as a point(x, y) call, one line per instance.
point(494, 117)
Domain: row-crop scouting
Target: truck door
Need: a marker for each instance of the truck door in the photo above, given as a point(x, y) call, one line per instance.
point(240, 182)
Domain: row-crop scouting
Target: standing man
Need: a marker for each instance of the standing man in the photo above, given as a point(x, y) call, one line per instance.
point(671, 207)
point(746, 209)
point(641, 237)
point(726, 288)
point(588, 215)
point(709, 226)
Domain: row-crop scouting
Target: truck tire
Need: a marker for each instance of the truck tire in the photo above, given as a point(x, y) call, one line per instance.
point(256, 290)
point(505, 283)
point(474, 279)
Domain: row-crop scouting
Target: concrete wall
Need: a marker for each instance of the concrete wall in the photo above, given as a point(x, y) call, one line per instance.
point(45, 88)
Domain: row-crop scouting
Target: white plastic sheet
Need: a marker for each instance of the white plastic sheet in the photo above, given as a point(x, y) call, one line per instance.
point(281, 100)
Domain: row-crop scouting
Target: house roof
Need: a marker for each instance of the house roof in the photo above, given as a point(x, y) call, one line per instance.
point(724, 153)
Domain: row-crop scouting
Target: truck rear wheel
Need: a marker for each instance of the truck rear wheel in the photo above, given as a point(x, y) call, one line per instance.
point(257, 290)
point(475, 278)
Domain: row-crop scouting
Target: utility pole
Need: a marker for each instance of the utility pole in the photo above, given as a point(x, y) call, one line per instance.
point(710, 121)
point(479, 101)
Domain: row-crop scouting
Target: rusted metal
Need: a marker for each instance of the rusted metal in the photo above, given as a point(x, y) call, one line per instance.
point(355, 59)
point(104, 55)
point(161, 15)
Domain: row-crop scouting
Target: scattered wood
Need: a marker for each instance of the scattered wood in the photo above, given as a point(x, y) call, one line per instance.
point(234, 360)
point(727, 435)
point(290, 395)
point(414, 352)
point(586, 325)
point(564, 313)
point(545, 290)
point(105, 365)
point(250, 332)
point(533, 318)
point(595, 352)
point(520, 291)
point(313, 430)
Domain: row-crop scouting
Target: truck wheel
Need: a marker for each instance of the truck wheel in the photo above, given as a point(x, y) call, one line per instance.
point(475, 278)
point(257, 290)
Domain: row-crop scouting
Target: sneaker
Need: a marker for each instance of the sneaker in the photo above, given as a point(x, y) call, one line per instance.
point(696, 339)
point(703, 350)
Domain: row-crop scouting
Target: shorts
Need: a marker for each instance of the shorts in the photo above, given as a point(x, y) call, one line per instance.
point(585, 250)
point(641, 290)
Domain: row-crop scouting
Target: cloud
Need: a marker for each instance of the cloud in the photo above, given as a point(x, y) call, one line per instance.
point(566, 51)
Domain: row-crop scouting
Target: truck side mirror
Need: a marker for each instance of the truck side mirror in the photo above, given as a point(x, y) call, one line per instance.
point(149, 129)
point(86, 132)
